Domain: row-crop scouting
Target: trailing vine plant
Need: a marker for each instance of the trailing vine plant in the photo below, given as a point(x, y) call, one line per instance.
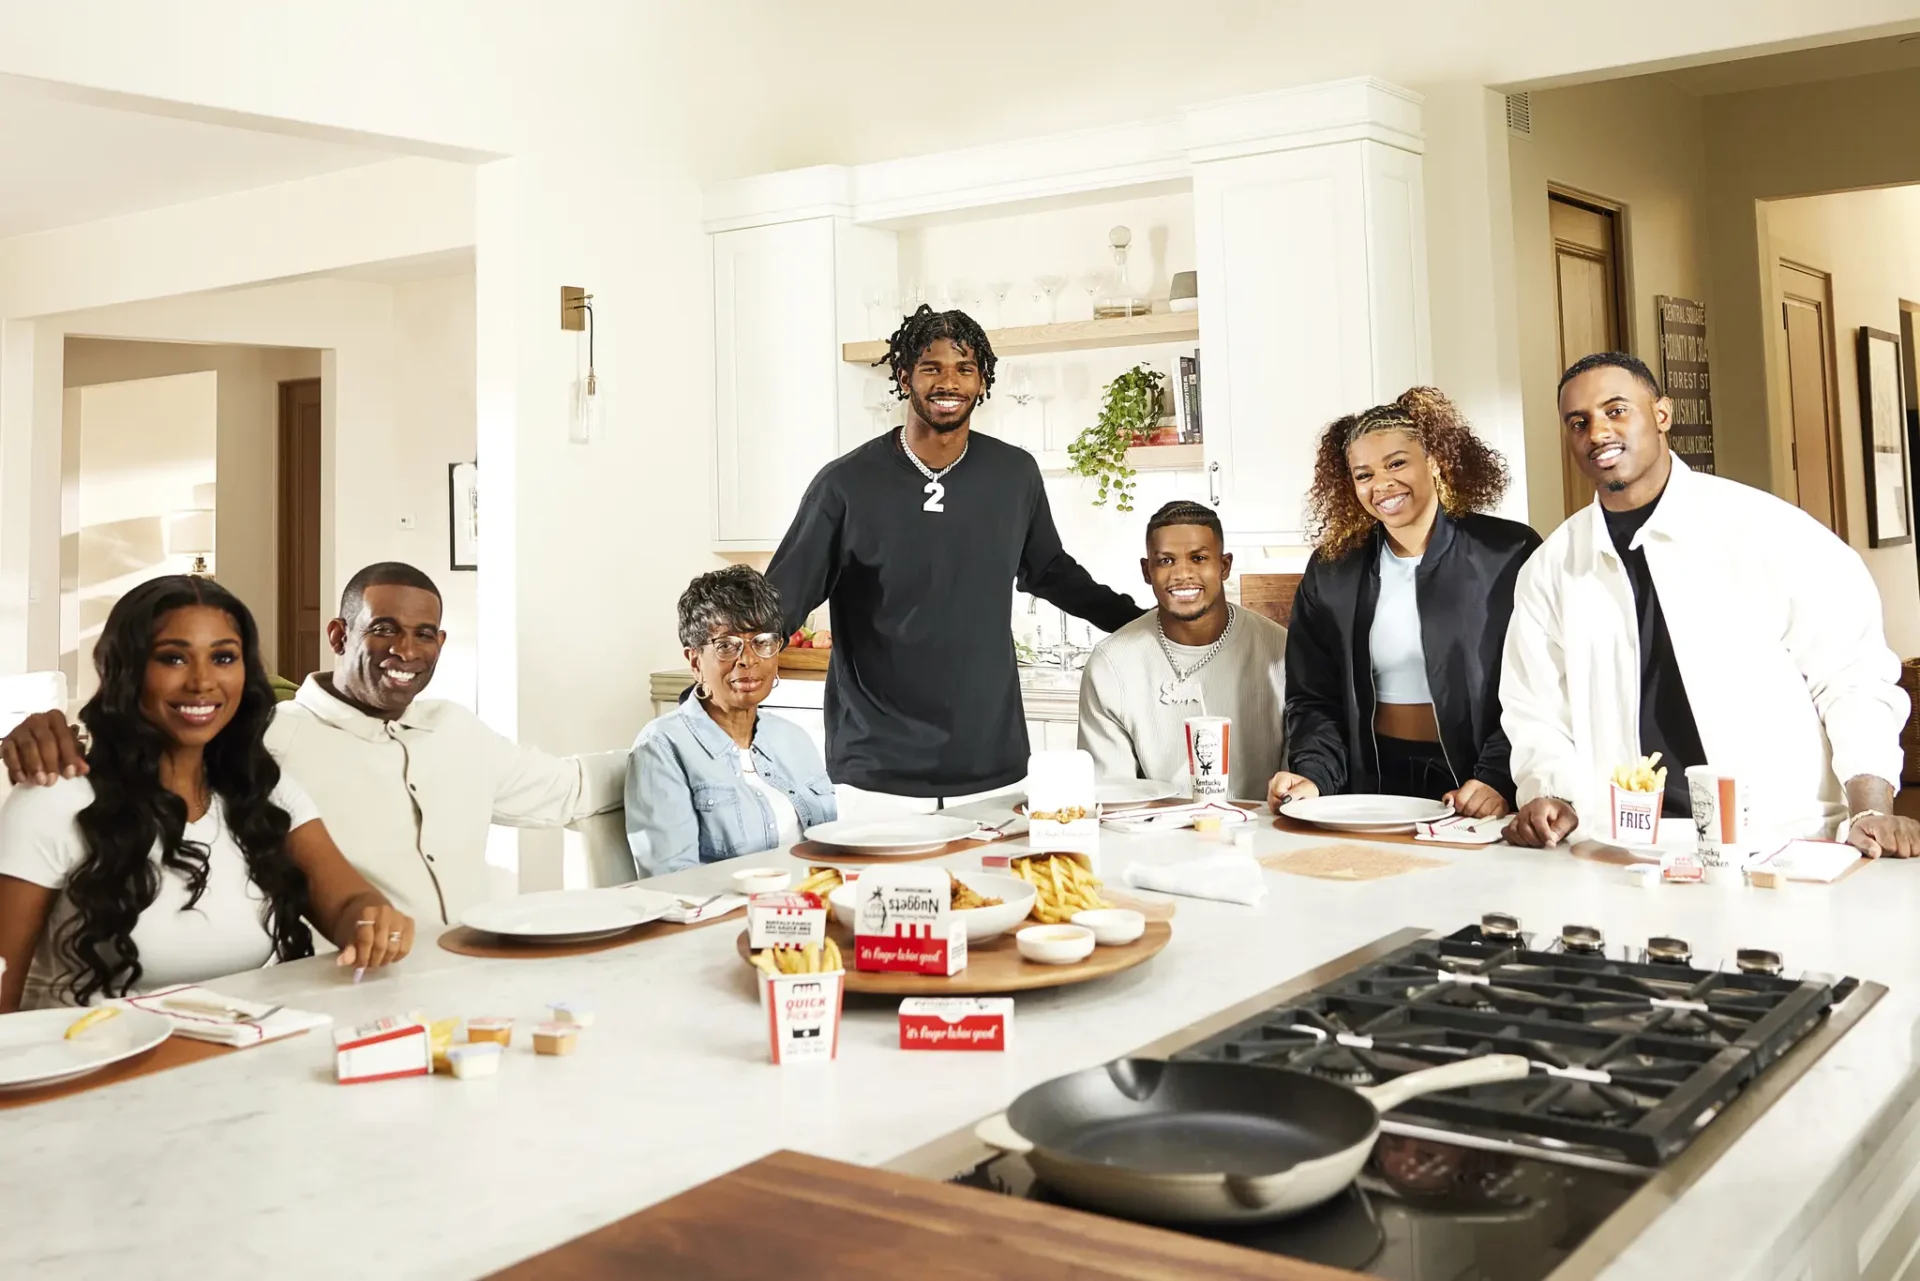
point(1127, 417)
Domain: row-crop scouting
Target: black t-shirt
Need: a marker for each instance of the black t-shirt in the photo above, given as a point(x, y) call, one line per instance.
point(1666, 716)
point(923, 694)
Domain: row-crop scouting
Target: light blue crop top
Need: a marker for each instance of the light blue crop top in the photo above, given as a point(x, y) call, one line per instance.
point(1399, 661)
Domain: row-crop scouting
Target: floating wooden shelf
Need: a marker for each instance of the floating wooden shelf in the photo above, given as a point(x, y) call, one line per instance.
point(1141, 458)
point(1066, 335)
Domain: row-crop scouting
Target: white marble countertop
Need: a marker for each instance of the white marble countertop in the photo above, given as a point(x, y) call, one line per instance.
point(258, 1163)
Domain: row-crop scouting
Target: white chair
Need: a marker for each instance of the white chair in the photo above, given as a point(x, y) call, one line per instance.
point(597, 852)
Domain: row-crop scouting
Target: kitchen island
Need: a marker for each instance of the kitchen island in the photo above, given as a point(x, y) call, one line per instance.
point(257, 1162)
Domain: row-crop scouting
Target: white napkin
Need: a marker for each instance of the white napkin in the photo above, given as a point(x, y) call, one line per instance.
point(1458, 829)
point(1822, 861)
point(219, 1029)
point(1174, 816)
point(1230, 878)
point(687, 910)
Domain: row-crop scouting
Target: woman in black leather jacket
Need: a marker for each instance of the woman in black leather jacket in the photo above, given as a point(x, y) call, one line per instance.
point(1393, 648)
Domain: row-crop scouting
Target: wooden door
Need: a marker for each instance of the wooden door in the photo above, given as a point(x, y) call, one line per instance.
point(1806, 320)
point(1586, 270)
point(300, 611)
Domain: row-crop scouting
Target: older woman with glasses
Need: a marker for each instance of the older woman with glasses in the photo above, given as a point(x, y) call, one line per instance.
point(717, 779)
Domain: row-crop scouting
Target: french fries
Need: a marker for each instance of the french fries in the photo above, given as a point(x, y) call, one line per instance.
point(820, 880)
point(1071, 814)
point(1064, 886)
point(1641, 776)
point(813, 958)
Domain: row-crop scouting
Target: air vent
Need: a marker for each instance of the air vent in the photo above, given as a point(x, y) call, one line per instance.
point(1520, 114)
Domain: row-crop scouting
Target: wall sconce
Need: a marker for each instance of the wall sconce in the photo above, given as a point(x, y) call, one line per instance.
point(190, 533)
point(583, 416)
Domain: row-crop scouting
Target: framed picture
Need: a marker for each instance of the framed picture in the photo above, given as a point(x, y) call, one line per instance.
point(1883, 424)
point(463, 515)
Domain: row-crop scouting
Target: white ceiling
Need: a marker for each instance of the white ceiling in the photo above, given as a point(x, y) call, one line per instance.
point(64, 162)
point(1860, 58)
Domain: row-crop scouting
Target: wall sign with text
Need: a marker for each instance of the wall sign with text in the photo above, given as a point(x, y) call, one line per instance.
point(1683, 376)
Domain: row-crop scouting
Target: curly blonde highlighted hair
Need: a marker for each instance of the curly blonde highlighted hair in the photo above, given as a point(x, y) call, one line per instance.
point(1472, 474)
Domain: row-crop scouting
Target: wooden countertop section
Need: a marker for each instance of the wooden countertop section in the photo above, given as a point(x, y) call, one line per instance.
point(790, 1214)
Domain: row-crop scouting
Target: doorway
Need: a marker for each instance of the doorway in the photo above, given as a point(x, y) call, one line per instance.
point(299, 532)
point(1589, 299)
point(1806, 320)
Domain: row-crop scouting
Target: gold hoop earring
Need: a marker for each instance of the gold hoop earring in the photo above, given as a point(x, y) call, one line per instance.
point(700, 691)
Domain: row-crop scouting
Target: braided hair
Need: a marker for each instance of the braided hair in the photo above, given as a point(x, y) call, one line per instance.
point(924, 328)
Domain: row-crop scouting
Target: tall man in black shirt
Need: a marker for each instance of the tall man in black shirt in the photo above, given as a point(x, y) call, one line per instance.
point(916, 538)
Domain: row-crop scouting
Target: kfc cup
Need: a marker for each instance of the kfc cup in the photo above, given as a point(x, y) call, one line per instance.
point(1208, 743)
point(1634, 816)
point(1722, 817)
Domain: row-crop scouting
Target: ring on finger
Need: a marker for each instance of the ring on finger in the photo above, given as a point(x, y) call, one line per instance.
point(394, 937)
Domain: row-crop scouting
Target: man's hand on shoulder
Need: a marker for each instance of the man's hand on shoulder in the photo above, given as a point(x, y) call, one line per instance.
point(42, 750)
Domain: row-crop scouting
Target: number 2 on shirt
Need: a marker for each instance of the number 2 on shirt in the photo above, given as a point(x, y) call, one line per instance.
point(936, 492)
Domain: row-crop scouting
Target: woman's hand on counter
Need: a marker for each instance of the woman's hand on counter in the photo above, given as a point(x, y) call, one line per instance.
point(1476, 800)
point(1284, 787)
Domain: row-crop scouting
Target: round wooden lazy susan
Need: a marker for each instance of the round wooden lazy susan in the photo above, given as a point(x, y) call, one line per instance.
point(994, 967)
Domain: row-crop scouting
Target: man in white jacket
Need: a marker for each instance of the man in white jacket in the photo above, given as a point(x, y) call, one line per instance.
point(1703, 619)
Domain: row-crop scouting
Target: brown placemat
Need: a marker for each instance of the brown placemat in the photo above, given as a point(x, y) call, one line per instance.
point(464, 941)
point(1348, 861)
point(175, 1051)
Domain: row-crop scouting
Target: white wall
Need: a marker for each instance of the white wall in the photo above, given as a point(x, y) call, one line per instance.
point(146, 450)
point(1870, 242)
point(1640, 143)
point(248, 379)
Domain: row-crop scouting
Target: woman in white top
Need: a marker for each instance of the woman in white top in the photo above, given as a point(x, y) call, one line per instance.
point(719, 778)
point(183, 855)
point(1393, 648)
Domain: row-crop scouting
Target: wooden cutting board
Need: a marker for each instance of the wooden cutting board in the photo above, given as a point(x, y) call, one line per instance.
point(794, 1215)
point(994, 967)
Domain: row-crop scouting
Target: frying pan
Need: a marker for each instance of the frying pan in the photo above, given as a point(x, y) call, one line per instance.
point(1194, 1142)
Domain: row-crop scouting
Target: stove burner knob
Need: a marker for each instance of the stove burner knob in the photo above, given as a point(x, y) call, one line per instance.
point(1500, 925)
point(1669, 951)
point(1583, 939)
point(1755, 960)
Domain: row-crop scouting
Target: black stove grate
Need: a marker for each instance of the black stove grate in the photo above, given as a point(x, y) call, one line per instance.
point(1632, 1059)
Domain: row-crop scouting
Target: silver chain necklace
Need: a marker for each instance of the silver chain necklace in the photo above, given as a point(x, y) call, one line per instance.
point(935, 491)
point(1181, 688)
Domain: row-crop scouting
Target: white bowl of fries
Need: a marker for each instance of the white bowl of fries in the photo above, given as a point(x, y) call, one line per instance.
point(1009, 900)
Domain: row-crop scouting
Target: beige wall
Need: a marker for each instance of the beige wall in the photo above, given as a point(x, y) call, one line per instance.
point(144, 450)
point(248, 379)
point(1870, 242)
point(1640, 143)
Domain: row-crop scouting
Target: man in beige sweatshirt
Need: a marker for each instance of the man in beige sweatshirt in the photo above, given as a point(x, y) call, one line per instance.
point(1196, 655)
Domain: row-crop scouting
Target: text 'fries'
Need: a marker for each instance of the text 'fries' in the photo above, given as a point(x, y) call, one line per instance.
point(1641, 776)
point(1064, 886)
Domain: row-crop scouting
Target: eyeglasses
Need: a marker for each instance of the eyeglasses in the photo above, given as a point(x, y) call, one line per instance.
point(729, 648)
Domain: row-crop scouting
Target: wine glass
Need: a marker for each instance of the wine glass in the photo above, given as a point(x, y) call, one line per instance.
point(957, 293)
point(911, 296)
point(1000, 289)
point(880, 403)
point(1091, 281)
point(875, 296)
point(1020, 386)
point(1050, 285)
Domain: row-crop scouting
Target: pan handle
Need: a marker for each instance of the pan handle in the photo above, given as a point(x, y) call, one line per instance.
point(1451, 1076)
point(996, 1132)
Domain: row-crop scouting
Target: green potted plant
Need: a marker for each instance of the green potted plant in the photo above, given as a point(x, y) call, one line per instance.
point(1127, 418)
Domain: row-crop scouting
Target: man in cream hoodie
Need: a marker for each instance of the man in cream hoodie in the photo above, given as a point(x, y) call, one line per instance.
point(1703, 619)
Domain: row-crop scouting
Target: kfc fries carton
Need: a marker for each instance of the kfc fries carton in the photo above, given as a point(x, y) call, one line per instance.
point(803, 1015)
point(1636, 793)
point(382, 1051)
point(902, 922)
point(956, 1023)
point(785, 920)
point(1063, 812)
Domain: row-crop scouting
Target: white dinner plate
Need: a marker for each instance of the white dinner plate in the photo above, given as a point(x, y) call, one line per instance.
point(1363, 813)
point(1125, 793)
point(569, 916)
point(34, 1049)
point(904, 834)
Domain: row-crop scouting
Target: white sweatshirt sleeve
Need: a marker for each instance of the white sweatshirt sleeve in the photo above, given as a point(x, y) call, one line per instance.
point(1535, 709)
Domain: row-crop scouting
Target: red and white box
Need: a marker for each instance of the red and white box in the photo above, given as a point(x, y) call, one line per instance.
point(803, 1015)
point(1634, 816)
point(956, 1023)
point(1063, 807)
point(785, 920)
point(1209, 748)
point(382, 1051)
point(902, 922)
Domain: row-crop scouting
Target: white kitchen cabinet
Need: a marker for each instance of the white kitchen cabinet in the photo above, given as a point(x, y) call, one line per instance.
point(1313, 305)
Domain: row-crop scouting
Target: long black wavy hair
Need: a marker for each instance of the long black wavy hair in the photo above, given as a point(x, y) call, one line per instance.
point(131, 811)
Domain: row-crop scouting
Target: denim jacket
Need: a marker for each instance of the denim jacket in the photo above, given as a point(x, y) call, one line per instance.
point(688, 803)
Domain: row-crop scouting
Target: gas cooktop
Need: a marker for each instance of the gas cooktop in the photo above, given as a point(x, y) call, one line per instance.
point(1636, 1050)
